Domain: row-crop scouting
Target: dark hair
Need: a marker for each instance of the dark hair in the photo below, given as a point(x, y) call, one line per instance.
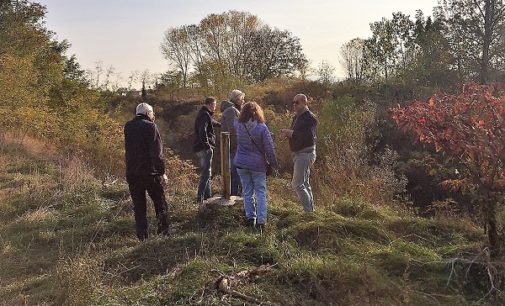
point(209, 100)
point(251, 110)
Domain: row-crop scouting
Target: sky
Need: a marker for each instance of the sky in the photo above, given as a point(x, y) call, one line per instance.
point(127, 34)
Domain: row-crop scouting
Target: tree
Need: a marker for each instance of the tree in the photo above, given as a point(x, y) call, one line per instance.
point(176, 47)
point(432, 61)
point(326, 73)
point(470, 127)
point(74, 71)
point(352, 58)
point(19, 82)
point(98, 72)
point(275, 53)
point(239, 45)
point(109, 73)
point(22, 35)
point(475, 29)
point(389, 50)
point(230, 48)
point(132, 78)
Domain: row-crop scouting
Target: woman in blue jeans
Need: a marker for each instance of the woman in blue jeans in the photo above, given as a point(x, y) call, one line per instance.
point(255, 148)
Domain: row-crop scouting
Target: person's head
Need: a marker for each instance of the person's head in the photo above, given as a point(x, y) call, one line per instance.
point(146, 110)
point(251, 110)
point(237, 97)
point(210, 104)
point(300, 102)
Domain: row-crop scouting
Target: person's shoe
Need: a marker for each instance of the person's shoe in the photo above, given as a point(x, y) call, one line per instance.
point(260, 227)
point(163, 232)
point(202, 206)
point(250, 222)
point(142, 237)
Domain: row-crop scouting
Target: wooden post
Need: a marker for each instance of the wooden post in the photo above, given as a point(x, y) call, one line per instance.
point(225, 164)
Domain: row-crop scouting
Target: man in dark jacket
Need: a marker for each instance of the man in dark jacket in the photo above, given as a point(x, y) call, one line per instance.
point(145, 168)
point(230, 111)
point(302, 143)
point(205, 142)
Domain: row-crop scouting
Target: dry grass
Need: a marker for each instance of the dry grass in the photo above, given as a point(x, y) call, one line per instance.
point(73, 243)
point(39, 214)
point(33, 146)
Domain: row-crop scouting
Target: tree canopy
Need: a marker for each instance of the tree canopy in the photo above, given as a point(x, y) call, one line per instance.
point(234, 45)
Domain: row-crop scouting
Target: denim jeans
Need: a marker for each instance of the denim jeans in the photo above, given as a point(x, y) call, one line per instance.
point(204, 187)
point(236, 186)
point(254, 183)
point(301, 178)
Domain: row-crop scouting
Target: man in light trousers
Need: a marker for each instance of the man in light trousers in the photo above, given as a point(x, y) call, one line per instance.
point(302, 142)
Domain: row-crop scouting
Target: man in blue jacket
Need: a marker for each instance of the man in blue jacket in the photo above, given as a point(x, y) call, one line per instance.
point(145, 169)
point(205, 142)
point(302, 143)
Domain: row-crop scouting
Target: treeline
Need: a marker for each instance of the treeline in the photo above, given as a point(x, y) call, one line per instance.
point(463, 41)
point(44, 93)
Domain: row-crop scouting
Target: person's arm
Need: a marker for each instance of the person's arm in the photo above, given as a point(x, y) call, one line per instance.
point(215, 123)
point(230, 122)
point(269, 148)
point(202, 132)
point(287, 133)
point(156, 149)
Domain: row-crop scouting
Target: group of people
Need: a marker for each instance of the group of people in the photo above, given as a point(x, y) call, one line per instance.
point(252, 152)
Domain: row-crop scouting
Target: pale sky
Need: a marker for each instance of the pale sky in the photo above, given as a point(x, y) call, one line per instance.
point(127, 33)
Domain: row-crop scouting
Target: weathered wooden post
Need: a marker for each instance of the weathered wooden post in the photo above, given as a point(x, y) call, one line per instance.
point(225, 164)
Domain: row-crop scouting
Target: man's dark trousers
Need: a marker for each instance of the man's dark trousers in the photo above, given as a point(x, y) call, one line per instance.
point(138, 188)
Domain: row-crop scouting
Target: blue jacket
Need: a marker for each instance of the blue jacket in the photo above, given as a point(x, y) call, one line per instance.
point(248, 156)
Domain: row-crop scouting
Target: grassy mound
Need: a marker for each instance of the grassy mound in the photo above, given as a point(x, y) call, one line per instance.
point(67, 238)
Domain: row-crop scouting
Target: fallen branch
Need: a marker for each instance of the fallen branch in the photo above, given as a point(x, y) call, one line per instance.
point(225, 283)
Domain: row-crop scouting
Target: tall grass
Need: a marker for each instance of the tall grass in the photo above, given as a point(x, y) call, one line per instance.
point(68, 238)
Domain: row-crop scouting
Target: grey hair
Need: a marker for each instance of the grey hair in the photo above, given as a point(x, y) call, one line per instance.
point(143, 109)
point(301, 97)
point(235, 95)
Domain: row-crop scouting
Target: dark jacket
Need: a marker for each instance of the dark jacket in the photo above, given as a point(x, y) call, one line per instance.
point(205, 137)
point(304, 131)
point(144, 149)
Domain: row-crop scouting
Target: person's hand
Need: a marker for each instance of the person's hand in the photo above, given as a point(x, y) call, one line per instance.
point(164, 180)
point(286, 133)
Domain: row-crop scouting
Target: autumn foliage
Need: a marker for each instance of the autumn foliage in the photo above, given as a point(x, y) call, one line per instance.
point(469, 127)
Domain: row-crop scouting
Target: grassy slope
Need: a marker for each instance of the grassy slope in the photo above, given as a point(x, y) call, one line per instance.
point(66, 238)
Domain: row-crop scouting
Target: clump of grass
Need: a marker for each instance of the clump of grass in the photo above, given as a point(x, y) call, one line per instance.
point(336, 280)
point(249, 248)
point(440, 232)
point(351, 207)
point(328, 232)
point(78, 279)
